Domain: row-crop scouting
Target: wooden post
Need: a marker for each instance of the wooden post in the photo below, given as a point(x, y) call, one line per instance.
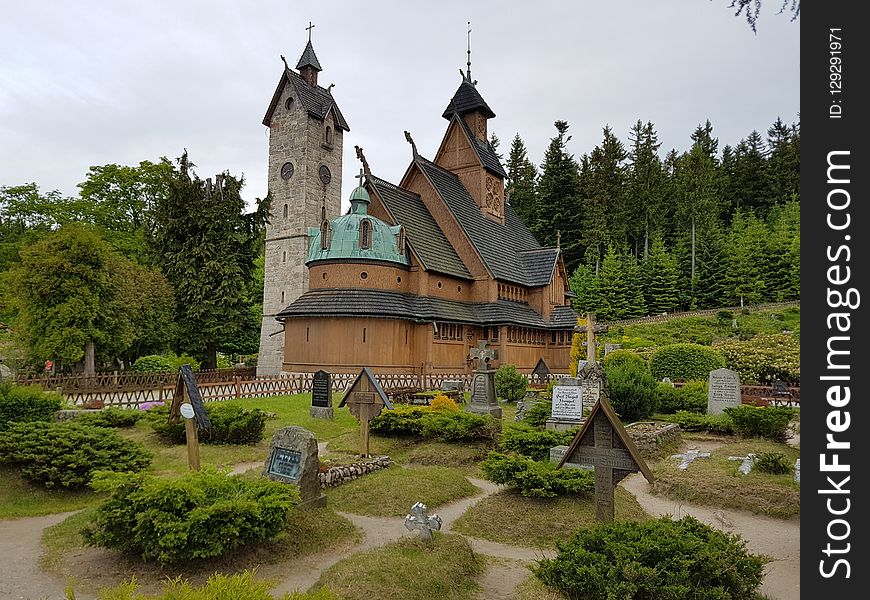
point(238, 387)
point(192, 444)
point(590, 338)
point(364, 430)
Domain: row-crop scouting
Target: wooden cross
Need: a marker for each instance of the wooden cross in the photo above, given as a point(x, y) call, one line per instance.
point(309, 28)
point(590, 329)
point(482, 354)
point(687, 458)
point(365, 398)
point(419, 520)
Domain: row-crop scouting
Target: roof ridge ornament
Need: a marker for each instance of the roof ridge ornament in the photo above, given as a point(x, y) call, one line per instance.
point(410, 140)
point(284, 60)
point(362, 158)
point(468, 46)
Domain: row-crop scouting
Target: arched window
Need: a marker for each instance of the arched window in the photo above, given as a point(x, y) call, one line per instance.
point(400, 240)
point(365, 234)
point(285, 211)
point(328, 134)
point(324, 235)
point(284, 256)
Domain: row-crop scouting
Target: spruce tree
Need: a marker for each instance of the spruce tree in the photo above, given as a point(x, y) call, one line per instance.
point(749, 179)
point(604, 216)
point(644, 189)
point(660, 275)
point(613, 296)
point(558, 205)
point(522, 174)
point(745, 259)
point(584, 283)
point(634, 286)
point(783, 254)
point(783, 163)
point(709, 287)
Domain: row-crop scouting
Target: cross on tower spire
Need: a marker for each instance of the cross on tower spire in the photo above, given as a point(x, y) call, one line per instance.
point(468, 73)
point(309, 28)
point(362, 174)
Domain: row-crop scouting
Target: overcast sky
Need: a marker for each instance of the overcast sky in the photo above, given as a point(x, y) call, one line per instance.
point(86, 83)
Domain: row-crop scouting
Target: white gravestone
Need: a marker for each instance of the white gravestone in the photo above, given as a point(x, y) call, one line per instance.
point(567, 402)
point(723, 390)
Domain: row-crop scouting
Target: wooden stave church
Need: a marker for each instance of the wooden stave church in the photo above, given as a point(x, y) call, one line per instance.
point(451, 265)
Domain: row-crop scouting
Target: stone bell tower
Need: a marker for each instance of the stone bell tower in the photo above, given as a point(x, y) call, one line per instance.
point(305, 143)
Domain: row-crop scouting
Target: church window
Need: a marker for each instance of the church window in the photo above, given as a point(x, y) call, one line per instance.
point(284, 256)
point(400, 241)
point(282, 297)
point(324, 275)
point(406, 337)
point(328, 134)
point(363, 275)
point(365, 234)
point(459, 288)
point(553, 338)
point(364, 335)
point(561, 337)
point(398, 280)
point(285, 211)
point(459, 332)
point(289, 102)
point(439, 285)
point(324, 235)
point(307, 330)
point(494, 334)
point(485, 335)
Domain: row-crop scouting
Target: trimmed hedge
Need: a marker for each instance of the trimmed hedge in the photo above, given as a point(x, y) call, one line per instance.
point(685, 362)
point(691, 397)
point(769, 422)
point(534, 443)
point(659, 558)
point(112, 417)
point(423, 421)
point(690, 421)
point(230, 424)
point(158, 363)
point(632, 391)
point(203, 514)
point(536, 479)
point(621, 357)
point(26, 404)
point(66, 454)
point(510, 384)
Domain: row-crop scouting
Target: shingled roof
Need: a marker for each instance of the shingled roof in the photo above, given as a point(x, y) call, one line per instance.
point(484, 151)
point(539, 265)
point(308, 58)
point(467, 99)
point(353, 302)
point(497, 244)
point(422, 232)
point(316, 100)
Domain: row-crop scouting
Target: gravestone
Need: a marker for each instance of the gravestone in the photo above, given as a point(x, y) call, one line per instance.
point(541, 372)
point(453, 385)
point(687, 458)
point(293, 459)
point(418, 519)
point(608, 348)
point(591, 377)
point(321, 396)
point(746, 463)
point(365, 398)
point(797, 470)
point(723, 390)
point(483, 399)
point(603, 444)
point(567, 405)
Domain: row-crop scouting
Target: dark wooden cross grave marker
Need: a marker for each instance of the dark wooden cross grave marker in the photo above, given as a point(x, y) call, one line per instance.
point(187, 403)
point(541, 371)
point(604, 444)
point(365, 398)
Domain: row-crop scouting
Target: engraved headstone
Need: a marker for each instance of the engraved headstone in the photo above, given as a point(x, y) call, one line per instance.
point(723, 391)
point(483, 399)
point(424, 524)
point(567, 405)
point(321, 396)
point(293, 459)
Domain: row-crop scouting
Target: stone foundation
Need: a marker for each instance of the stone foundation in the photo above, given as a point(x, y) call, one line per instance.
point(321, 412)
point(335, 476)
point(651, 436)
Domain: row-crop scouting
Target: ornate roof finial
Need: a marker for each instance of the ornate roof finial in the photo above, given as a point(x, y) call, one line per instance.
point(284, 60)
point(468, 74)
point(411, 141)
point(362, 158)
point(329, 89)
point(309, 28)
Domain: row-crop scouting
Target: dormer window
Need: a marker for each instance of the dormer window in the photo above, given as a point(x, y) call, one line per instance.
point(365, 234)
point(324, 235)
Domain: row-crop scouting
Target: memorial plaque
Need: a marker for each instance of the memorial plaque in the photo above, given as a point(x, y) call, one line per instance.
point(590, 392)
point(321, 389)
point(723, 390)
point(567, 402)
point(286, 463)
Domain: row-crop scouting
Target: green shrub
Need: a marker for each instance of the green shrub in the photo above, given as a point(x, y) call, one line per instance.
point(66, 454)
point(536, 479)
point(690, 397)
point(26, 403)
point(621, 357)
point(510, 384)
point(538, 413)
point(764, 358)
point(402, 420)
point(112, 417)
point(534, 443)
point(660, 558)
point(685, 362)
point(690, 421)
point(459, 426)
point(632, 391)
point(774, 463)
point(203, 514)
point(230, 424)
point(769, 422)
point(153, 363)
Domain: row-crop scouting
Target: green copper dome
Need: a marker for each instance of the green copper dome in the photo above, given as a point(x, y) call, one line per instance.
point(358, 236)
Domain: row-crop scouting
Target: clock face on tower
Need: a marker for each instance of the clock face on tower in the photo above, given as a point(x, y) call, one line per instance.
point(286, 171)
point(325, 175)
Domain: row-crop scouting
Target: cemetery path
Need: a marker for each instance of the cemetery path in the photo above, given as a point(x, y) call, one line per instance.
point(777, 538)
point(500, 578)
point(20, 551)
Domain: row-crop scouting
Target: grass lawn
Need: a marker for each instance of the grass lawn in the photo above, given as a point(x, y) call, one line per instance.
point(392, 492)
point(510, 518)
point(20, 498)
point(533, 588)
point(408, 570)
point(307, 532)
point(716, 481)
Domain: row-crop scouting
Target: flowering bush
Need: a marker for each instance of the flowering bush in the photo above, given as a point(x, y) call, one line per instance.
point(442, 402)
point(764, 358)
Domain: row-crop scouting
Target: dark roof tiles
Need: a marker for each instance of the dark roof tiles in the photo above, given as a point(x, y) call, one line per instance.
point(539, 265)
point(467, 99)
point(317, 101)
point(486, 154)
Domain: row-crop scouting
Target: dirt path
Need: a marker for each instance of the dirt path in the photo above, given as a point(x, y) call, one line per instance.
point(777, 538)
point(20, 550)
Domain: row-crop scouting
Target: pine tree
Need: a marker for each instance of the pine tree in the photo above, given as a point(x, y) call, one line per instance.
point(745, 259)
point(604, 216)
point(783, 254)
point(634, 286)
point(522, 174)
point(584, 283)
point(660, 275)
point(613, 297)
point(207, 246)
point(749, 179)
point(709, 287)
point(558, 205)
point(783, 163)
point(645, 189)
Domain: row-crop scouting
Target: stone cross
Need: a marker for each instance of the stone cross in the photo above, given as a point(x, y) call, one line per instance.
point(423, 523)
point(746, 465)
point(689, 456)
point(482, 354)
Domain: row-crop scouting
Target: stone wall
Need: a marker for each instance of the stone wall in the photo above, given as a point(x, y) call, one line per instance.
point(339, 474)
point(650, 436)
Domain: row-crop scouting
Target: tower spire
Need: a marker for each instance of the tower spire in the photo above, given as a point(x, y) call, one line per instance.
point(468, 45)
